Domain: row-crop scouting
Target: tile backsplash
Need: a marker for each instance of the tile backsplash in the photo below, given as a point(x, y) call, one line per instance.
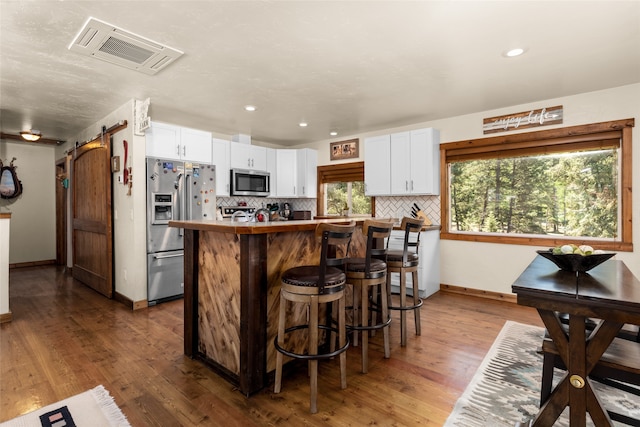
point(397, 207)
point(386, 207)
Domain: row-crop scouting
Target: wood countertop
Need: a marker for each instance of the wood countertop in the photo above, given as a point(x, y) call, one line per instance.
point(226, 226)
point(259, 227)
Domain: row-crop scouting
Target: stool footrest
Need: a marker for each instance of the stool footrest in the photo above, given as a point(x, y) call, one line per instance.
point(369, 327)
point(311, 356)
point(407, 307)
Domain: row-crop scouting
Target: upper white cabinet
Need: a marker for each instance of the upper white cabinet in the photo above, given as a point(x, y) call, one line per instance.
point(174, 142)
point(297, 173)
point(408, 161)
point(247, 156)
point(286, 179)
point(307, 172)
point(377, 168)
point(272, 168)
point(220, 158)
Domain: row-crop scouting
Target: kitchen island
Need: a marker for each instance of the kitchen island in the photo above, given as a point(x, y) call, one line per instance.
point(232, 278)
point(232, 287)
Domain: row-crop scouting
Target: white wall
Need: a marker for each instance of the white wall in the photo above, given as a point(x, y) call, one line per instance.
point(129, 211)
point(492, 266)
point(33, 214)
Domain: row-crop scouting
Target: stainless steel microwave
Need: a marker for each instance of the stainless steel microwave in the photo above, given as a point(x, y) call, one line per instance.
point(245, 182)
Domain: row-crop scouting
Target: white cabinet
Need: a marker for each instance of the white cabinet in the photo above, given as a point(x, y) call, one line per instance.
point(272, 168)
point(377, 168)
point(174, 142)
point(286, 179)
point(429, 266)
point(247, 156)
point(297, 173)
point(307, 173)
point(403, 163)
point(220, 158)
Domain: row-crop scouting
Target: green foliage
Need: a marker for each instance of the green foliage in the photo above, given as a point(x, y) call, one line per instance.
point(337, 198)
point(573, 194)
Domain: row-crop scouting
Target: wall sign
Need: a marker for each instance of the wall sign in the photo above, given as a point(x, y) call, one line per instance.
point(344, 149)
point(526, 119)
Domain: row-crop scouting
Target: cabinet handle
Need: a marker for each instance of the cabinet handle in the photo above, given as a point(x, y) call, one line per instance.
point(411, 185)
point(303, 189)
point(251, 162)
point(184, 150)
point(178, 150)
point(406, 185)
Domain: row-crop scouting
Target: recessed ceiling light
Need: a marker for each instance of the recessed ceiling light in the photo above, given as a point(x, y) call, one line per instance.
point(514, 52)
point(303, 124)
point(250, 107)
point(333, 133)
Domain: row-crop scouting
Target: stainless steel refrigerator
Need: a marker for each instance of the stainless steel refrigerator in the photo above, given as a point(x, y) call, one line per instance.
point(178, 191)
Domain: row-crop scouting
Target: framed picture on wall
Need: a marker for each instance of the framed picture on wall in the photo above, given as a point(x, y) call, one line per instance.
point(344, 149)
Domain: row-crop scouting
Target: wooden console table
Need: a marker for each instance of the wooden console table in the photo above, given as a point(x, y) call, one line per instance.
point(609, 292)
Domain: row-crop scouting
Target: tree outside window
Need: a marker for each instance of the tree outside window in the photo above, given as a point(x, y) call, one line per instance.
point(570, 194)
point(347, 197)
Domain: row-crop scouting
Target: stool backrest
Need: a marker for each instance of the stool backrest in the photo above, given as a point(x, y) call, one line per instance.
point(411, 227)
point(335, 240)
point(374, 230)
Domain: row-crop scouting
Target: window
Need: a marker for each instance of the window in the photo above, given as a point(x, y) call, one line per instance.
point(342, 186)
point(541, 188)
point(346, 196)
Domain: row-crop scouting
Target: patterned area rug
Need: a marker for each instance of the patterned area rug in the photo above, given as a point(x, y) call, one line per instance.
point(506, 387)
point(94, 408)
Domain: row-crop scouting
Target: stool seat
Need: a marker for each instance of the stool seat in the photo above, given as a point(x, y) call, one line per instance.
point(307, 276)
point(394, 259)
point(377, 268)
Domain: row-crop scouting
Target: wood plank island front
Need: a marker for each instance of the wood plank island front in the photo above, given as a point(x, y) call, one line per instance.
point(232, 288)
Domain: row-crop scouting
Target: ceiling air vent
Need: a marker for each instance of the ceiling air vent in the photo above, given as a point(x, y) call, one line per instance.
point(117, 46)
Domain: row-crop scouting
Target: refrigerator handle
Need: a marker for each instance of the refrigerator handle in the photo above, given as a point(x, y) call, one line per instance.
point(181, 202)
point(189, 197)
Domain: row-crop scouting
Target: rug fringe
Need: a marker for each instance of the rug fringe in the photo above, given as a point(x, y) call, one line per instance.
point(108, 405)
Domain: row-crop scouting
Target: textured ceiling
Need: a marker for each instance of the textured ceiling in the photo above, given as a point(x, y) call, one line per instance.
point(349, 66)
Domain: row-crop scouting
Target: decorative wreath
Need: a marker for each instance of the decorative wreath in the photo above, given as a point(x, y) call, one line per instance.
point(10, 185)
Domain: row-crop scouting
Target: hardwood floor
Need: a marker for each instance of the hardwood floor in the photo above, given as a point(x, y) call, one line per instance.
point(66, 338)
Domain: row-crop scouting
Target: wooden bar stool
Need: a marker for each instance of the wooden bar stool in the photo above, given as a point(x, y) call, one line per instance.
point(314, 285)
point(406, 261)
point(365, 274)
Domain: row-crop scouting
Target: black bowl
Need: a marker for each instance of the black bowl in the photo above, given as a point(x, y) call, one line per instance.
point(576, 262)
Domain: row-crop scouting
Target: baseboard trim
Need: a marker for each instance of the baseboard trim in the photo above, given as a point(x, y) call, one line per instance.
point(32, 263)
point(478, 293)
point(133, 305)
point(6, 317)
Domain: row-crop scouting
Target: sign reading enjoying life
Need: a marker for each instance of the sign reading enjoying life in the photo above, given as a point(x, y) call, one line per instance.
point(526, 119)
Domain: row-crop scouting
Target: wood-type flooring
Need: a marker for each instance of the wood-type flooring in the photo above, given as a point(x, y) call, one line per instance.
point(66, 338)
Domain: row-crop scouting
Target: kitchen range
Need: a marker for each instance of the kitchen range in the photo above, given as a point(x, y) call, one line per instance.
point(176, 191)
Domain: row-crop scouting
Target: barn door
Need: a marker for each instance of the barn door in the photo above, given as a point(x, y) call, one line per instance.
point(91, 213)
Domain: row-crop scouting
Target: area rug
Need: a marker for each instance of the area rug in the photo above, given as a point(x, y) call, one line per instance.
point(506, 387)
point(93, 408)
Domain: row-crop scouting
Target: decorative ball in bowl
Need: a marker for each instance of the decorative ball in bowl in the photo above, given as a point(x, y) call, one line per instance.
point(577, 260)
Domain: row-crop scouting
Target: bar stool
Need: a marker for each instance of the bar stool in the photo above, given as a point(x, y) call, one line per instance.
point(406, 261)
point(314, 285)
point(365, 274)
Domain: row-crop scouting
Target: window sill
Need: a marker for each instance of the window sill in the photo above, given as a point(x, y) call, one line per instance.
point(537, 241)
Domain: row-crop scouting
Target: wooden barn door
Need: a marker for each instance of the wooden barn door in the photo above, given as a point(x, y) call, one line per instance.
point(91, 213)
